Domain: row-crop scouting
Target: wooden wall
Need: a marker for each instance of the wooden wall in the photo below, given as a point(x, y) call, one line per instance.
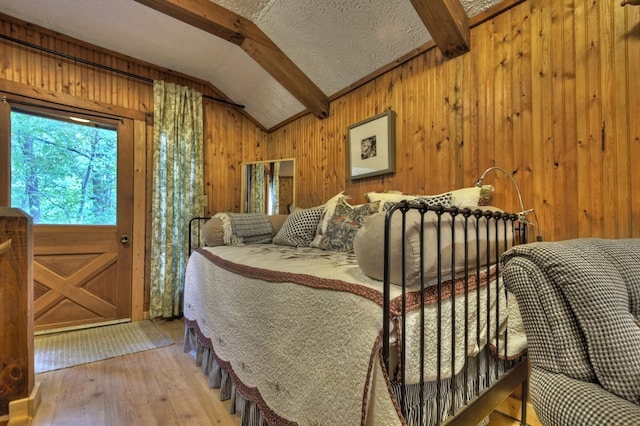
point(549, 91)
point(50, 77)
point(32, 73)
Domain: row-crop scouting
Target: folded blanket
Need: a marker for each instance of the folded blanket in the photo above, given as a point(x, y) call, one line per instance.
point(247, 228)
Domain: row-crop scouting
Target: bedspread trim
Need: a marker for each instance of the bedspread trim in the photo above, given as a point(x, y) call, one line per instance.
point(376, 356)
point(302, 279)
point(461, 285)
point(249, 393)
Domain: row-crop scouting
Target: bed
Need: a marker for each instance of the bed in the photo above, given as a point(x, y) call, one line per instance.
point(306, 330)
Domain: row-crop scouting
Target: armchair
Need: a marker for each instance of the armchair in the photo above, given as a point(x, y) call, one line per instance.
point(580, 305)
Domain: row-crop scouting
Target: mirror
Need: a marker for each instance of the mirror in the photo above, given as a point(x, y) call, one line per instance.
point(268, 186)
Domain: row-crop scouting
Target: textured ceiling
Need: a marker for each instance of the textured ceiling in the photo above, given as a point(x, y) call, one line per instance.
point(334, 42)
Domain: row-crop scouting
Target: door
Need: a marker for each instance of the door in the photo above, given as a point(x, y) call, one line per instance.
point(73, 174)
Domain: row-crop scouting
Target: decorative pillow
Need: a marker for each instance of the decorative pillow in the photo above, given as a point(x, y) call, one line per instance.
point(436, 200)
point(299, 228)
point(368, 245)
point(212, 232)
point(245, 228)
point(329, 208)
point(387, 196)
point(486, 195)
point(429, 200)
point(470, 197)
point(344, 224)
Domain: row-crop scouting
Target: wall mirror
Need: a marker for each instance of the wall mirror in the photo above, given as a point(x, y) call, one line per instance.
point(268, 186)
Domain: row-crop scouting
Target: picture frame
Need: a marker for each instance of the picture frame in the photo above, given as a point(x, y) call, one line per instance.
point(371, 146)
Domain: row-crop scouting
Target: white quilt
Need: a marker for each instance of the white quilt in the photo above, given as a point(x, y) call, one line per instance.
point(300, 328)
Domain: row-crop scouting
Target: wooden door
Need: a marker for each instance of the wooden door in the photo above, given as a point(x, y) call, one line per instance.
point(82, 273)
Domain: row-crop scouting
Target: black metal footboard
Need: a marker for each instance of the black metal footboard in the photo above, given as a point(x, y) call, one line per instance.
point(196, 237)
point(465, 249)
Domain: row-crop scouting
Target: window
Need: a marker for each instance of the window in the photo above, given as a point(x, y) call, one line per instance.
point(63, 171)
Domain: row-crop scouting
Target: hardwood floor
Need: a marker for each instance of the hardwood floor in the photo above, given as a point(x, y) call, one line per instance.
point(157, 387)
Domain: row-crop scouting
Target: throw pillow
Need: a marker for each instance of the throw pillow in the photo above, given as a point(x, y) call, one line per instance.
point(344, 225)
point(329, 208)
point(299, 228)
point(429, 200)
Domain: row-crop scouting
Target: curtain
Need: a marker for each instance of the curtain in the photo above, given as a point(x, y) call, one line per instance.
point(275, 189)
point(257, 189)
point(177, 191)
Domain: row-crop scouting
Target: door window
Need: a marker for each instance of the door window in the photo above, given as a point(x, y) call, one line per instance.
point(63, 171)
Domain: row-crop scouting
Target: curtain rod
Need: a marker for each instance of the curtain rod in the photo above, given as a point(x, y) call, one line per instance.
point(104, 67)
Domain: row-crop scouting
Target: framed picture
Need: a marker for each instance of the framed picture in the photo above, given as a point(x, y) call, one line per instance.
point(372, 146)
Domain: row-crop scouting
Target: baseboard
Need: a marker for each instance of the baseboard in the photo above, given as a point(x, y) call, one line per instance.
point(22, 411)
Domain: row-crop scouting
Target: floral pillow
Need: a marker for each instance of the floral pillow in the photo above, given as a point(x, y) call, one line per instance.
point(329, 208)
point(344, 224)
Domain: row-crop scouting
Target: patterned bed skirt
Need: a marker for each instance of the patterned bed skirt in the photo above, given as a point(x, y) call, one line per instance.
point(251, 415)
point(219, 378)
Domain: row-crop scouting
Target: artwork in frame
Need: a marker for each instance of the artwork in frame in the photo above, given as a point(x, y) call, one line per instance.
point(372, 146)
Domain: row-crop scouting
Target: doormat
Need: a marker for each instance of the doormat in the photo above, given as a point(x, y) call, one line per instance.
point(66, 349)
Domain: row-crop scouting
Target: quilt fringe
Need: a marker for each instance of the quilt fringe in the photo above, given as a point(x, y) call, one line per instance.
point(476, 383)
point(219, 378)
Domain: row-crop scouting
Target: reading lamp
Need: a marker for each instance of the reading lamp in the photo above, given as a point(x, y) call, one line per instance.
point(522, 214)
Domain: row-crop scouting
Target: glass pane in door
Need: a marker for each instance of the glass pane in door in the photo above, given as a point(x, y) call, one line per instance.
point(63, 171)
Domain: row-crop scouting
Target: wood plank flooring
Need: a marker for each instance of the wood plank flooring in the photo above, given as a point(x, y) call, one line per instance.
point(157, 387)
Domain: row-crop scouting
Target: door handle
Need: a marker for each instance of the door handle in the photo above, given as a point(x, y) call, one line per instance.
point(124, 239)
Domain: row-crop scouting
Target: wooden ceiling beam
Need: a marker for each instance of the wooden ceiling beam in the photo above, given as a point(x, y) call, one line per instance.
point(221, 22)
point(448, 24)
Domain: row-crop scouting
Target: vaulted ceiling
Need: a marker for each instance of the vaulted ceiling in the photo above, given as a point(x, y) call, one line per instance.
point(275, 58)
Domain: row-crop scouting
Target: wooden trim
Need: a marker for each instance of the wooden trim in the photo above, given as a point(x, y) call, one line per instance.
point(5, 154)
point(139, 219)
point(289, 75)
point(431, 44)
point(22, 411)
point(36, 95)
point(512, 407)
point(448, 24)
point(481, 407)
point(225, 24)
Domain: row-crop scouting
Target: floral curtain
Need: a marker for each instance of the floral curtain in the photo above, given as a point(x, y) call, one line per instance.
point(275, 189)
point(177, 191)
point(257, 201)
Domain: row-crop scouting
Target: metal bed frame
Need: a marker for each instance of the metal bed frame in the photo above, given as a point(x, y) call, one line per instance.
point(476, 408)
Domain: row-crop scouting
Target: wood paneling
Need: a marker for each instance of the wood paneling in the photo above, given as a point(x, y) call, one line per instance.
point(549, 91)
point(32, 74)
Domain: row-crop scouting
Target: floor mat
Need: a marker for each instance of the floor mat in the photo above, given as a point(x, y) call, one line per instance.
point(66, 349)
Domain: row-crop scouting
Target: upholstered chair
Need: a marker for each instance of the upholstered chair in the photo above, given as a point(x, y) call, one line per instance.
point(580, 305)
